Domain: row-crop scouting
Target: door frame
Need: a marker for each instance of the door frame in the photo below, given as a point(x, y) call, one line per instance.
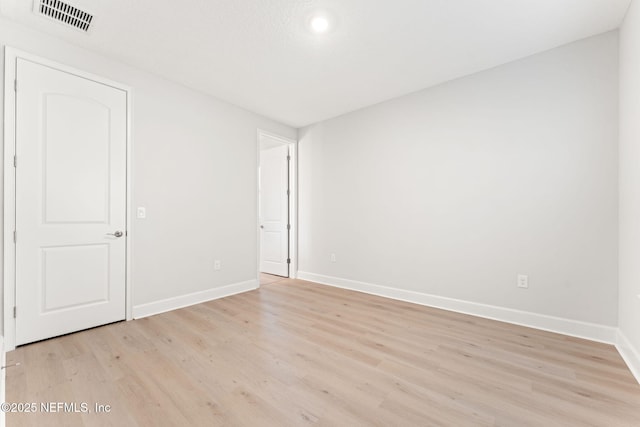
point(11, 56)
point(293, 200)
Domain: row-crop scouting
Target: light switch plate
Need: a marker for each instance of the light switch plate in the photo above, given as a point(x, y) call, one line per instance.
point(141, 213)
point(523, 281)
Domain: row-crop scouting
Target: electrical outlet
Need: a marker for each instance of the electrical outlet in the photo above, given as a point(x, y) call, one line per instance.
point(523, 281)
point(217, 265)
point(141, 213)
point(333, 257)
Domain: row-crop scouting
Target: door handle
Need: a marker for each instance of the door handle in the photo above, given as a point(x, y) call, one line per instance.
point(116, 234)
point(262, 226)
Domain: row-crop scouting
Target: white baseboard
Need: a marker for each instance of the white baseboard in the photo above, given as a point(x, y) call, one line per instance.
point(157, 307)
point(629, 354)
point(3, 379)
point(575, 328)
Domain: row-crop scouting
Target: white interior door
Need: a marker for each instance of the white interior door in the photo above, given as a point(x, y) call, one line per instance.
point(274, 210)
point(70, 195)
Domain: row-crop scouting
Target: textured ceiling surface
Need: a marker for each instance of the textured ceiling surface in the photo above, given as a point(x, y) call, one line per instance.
point(261, 55)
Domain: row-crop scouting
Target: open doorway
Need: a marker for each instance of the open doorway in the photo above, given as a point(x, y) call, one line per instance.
point(276, 207)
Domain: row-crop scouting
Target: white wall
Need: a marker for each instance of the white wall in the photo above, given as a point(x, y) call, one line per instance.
point(454, 190)
point(629, 317)
point(194, 168)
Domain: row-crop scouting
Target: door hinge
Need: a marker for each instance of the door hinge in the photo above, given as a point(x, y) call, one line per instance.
point(15, 161)
point(288, 226)
point(15, 85)
point(288, 260)
point(288, 192)
point(288, 157)
point(15, 236)
point(14, 311)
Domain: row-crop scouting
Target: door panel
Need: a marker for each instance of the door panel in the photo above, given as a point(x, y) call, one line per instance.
point(272, 246)
point(72, 149)
point(66, 270)
point(274, 210)
point(70, 194)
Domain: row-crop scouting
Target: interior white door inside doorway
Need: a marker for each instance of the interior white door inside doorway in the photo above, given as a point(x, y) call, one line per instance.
point(274, 209)
point(71, 150)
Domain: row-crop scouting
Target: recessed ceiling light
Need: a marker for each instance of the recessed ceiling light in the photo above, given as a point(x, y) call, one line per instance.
point(319, 24)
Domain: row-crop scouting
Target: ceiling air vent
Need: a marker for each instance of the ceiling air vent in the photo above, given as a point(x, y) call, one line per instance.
point(65, 13)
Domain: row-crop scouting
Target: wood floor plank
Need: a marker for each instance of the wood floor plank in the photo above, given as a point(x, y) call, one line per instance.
point(298, 353)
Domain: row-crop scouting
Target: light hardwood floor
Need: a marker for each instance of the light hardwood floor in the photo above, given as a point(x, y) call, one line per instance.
point(297, 353)
point(265, 278)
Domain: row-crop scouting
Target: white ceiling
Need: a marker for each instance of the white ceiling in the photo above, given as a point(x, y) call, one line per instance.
point(260, 54)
